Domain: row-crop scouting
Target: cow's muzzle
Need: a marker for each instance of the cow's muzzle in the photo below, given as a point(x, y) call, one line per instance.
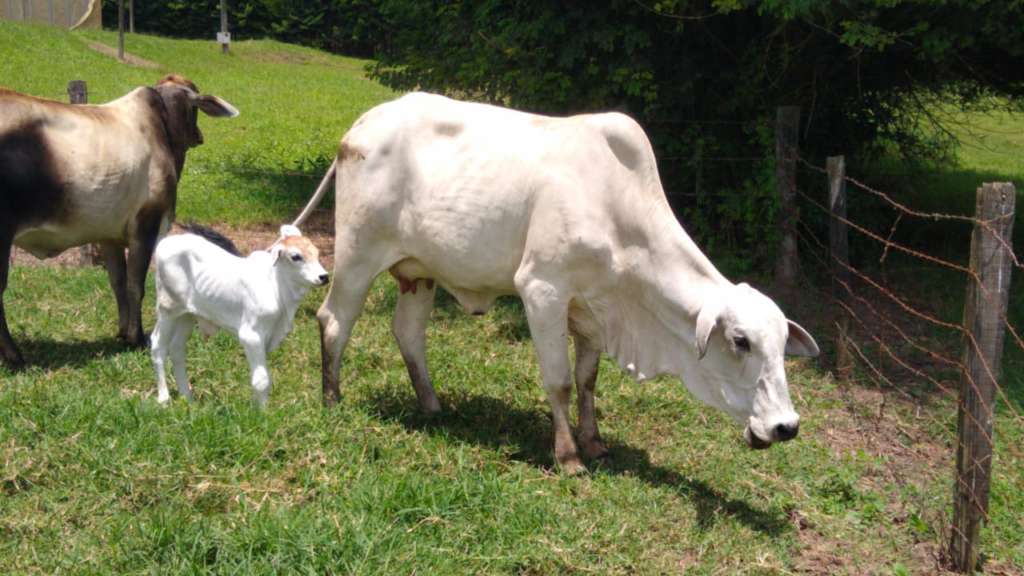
point(755, 441)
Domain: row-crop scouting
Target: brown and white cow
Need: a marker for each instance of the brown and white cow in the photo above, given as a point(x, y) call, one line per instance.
point(70, 175)
point(568, 214)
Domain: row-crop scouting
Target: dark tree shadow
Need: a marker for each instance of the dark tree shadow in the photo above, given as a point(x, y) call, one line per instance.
point(494, 423)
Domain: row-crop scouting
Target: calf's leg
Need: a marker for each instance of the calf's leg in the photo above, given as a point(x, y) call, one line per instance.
point(547, 312)
point(588, 358)
point(114, 262)
point(256, 353)
point(182, 331)
point(409, 327)
point(163, 333)
point(9, 353)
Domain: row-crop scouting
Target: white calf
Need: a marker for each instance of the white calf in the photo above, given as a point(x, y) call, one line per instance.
point(255, 298)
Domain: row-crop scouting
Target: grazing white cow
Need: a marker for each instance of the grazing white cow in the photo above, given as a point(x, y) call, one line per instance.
point(70, 175)
point(568, 214)
point(255, 298)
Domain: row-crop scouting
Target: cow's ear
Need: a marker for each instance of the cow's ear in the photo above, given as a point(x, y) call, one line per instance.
point(799, 342)
point(275, 252)
point(213, 106)
point(706, 322)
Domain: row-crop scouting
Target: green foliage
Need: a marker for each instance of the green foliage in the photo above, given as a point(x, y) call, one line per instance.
point(351, 27)
point(713, 71)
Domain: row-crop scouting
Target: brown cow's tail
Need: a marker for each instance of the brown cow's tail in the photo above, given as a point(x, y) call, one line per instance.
point(317, 196)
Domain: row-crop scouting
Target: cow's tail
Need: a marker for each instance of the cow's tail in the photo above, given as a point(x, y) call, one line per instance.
point(317, 196)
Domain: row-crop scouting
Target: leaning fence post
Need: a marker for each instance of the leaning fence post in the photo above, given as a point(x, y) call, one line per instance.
point(839, 252)
point(78, 93)
point(984, 314)
point(787, 130)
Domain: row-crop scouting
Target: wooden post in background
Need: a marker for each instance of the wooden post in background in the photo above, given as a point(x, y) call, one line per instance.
point(120, 29)
point(49, 11)
point(839, 251)
point(224, 25)
point(131, 16)
point(787, 131)
point(69, 18)
point(88, 254)
point(984, 311)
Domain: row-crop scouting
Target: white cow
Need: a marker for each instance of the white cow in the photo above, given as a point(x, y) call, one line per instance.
point(568, 214)
point(254, 298)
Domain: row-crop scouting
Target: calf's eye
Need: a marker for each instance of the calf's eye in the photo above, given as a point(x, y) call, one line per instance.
point(296, 258)
point(741, 343)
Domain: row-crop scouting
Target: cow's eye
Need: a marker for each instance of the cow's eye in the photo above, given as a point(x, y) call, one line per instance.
point(296, 257)
point(741, 343)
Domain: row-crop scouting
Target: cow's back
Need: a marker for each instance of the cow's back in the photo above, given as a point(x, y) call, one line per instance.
point(73, 174)
point(471, 188)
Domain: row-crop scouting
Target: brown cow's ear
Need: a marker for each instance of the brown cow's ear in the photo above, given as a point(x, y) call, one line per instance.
point(213, 106)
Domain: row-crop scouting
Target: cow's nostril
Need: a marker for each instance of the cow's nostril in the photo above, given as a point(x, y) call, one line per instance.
point(785, 432)
point(324, 278)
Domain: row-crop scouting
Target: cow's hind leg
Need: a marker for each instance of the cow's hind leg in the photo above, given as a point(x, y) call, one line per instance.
point(337, 315)
point(588, 358)
point(409, 327)
point(140, 251)
point(8, 351)
point(547, 311)
point(114, 262)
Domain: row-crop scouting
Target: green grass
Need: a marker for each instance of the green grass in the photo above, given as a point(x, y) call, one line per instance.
point(97, 479)
point(260, 167)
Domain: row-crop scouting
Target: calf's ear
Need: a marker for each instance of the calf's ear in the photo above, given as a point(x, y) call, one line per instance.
point(213, 106)
point(290, 230)
point(799, 342)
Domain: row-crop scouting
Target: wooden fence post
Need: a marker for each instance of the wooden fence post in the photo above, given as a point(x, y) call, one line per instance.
point(984, 314)
point(224, 24)
point(840, 258)
point(120, 30)
point(787, 130)
point(88, 254)
point(131, 16)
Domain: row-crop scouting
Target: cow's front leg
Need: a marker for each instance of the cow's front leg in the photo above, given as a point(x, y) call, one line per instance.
point(588, 358)
point(409, 327)
point(140, 251)
point(547, 312)
point(114, 262)
point(9, 353)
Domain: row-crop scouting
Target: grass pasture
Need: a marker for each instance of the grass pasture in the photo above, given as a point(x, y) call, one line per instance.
point(97, 479)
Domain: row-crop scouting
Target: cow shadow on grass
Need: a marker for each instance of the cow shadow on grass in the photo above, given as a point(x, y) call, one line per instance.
point(54, 354)
point(525, 435)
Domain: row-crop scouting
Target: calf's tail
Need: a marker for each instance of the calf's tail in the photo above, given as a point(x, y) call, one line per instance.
point(317, 196)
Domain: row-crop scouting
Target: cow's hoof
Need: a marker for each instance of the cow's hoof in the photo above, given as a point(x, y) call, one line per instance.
point(13, 362)
point(594, 449)
point(571, 466)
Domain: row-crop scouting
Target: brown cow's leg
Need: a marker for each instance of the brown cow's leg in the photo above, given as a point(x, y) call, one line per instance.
point(409, 327)
point(8, 351)
point(140, 251)
point(588, 358)
point(114, 262)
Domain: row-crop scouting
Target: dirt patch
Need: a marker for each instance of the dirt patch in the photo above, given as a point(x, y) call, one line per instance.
point(319, 229)
point(129, 58)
